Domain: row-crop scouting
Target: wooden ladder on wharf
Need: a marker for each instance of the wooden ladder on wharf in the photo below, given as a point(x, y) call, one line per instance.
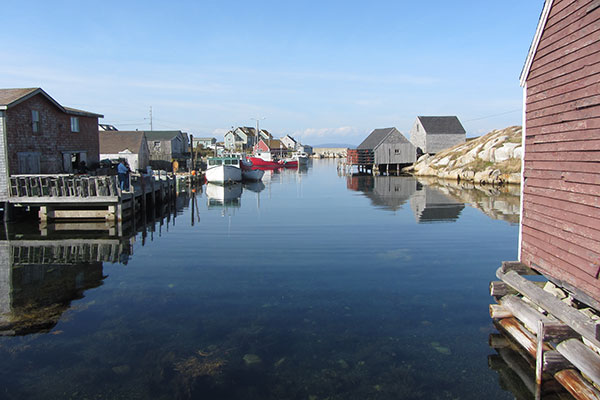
point(564, 339)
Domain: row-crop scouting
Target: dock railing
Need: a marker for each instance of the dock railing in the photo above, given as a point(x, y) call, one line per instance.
point(82, 186)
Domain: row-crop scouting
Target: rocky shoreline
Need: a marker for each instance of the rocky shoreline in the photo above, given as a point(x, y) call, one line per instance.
point(494, 158)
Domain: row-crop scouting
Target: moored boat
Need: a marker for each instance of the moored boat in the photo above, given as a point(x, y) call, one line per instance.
point(223, 169)
point(249, 172)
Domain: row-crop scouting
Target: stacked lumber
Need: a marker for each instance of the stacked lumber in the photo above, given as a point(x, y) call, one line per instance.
point(561, 334)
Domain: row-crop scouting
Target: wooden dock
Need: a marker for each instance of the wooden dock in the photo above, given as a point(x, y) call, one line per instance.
point(561, 332)
point(83, 197)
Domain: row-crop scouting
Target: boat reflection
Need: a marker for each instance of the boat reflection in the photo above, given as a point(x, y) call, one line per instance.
point(224, 195)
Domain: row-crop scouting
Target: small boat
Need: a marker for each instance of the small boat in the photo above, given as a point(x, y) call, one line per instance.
point(223, 169)
point(302, 158)
point(249, 173)
point(264, 160)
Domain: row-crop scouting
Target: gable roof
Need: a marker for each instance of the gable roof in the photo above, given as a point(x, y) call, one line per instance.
point(536, 41)
point(12, 97)
point(442, 124)
point(112, 142)
point(376, 138)
point(157, 135)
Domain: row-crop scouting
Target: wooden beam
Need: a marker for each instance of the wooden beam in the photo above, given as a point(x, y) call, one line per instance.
point(523, 312)
point(577, 385)
point(517, 267)
point(584, 358)
point(498, 312)
point(567, 314)
point(499, 289)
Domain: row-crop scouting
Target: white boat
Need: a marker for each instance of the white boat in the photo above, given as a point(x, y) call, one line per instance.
point(225, 169)
point(302, 158)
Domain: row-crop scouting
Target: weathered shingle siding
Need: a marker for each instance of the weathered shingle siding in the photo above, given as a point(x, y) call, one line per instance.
point(561, 202)
point(54, 135)
point(417, 136)
point(437, 143)
point(3, 160)
point(386, 153)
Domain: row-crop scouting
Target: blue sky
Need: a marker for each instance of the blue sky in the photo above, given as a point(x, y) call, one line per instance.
point(322, 71)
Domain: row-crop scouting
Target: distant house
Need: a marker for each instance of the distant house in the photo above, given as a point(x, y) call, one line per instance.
point(434, 134)
point(240, 138)
point(206, 142)
point(289, 142)
point(130, 146)
point(40, 136)
point(106, 127)
point(274, 146)
point(560, 222)
point(385, 149)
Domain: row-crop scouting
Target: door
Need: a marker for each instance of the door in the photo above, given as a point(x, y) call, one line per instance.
point(29, 162)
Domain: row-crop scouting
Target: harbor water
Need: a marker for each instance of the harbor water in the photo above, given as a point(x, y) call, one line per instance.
point(310, 285)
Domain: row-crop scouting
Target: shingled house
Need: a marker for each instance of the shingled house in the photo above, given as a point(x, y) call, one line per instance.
point(434, 134)
point(130, 146)
point(386, 149)
point(40, 136)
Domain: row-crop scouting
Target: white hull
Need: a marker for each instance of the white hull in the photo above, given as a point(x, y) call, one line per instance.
point(228, 195)
point(223, 174)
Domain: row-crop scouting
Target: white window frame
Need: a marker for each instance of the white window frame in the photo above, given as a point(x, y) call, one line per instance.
point(74, 124)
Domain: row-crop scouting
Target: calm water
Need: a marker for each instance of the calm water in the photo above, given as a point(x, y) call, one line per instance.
point(309, 286)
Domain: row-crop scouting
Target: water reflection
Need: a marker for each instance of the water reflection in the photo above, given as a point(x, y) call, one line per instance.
point(433, 200)
point(45, 266)
point(516, 371)
point(431, 205)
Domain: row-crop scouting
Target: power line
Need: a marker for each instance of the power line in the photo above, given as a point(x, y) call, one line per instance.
point(494, 115)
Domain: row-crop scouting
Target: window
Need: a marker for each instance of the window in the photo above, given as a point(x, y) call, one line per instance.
point(397, 151)
point(35, 121)
point(74, 124)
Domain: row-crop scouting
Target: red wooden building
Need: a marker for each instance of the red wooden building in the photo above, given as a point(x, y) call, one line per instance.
point(560, 219)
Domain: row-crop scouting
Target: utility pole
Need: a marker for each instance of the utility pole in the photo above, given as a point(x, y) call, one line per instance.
point(151, 119)
point(258, 130)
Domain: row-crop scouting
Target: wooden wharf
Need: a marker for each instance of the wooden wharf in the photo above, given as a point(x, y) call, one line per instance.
point(88, 198)
point(560, 330)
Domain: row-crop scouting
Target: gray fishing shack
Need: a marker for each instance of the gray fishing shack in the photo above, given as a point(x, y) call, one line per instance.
point(384, 149)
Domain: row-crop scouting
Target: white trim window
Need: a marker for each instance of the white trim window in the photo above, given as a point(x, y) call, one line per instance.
point(35, 121)
point(74, 124)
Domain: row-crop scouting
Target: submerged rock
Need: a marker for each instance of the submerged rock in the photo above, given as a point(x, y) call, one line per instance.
point(252, 359)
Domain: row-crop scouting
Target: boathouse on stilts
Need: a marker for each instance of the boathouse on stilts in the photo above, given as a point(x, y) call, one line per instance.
point(383, 151)
point(549, 300)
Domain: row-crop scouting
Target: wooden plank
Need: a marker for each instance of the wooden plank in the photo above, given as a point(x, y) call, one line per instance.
point(499, 289)
point(566, 126)
point(589, 144)
point(518, 267)
point(560, 82)
point(498, 312)
point(576, 198)
point(577, 156)
point(577, 385)
point(582, 357)
point(579, 210)
point(521, 335)
point(585, 48)
point(577, 321)
point(523, 312)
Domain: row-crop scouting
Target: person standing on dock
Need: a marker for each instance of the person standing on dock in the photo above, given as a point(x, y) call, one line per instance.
point(123, 172)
